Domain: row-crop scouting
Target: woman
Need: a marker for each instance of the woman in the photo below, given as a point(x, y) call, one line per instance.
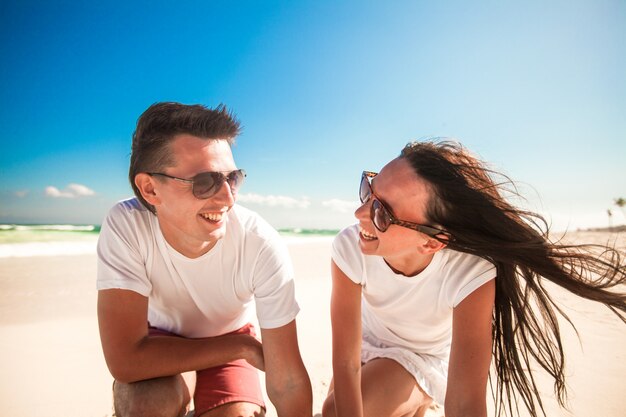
point(440, 274)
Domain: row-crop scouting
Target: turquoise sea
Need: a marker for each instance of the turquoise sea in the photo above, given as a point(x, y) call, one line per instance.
point(24, 240)
point(296, 232)
point(23, 233)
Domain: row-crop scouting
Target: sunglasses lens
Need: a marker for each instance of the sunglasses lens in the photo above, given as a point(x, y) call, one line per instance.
point(235, 179)
point(207, 184)
point(380, 216)
point(365, 190)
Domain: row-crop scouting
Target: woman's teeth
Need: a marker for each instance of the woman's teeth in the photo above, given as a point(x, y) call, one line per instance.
point(367, 236)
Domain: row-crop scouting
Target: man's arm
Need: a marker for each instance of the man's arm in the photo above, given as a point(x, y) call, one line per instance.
point(287, 381)
point(132, 355)
point(470, 354)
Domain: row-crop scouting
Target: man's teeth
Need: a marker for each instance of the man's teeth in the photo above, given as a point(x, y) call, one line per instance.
point(214, 217)
point(366, 235)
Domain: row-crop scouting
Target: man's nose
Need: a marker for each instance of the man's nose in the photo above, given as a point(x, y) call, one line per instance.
point(225, 194)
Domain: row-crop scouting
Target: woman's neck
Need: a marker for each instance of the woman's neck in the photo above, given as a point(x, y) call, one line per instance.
point(409, 266)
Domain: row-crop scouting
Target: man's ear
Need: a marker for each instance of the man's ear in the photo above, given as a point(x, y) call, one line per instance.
point(145, 185)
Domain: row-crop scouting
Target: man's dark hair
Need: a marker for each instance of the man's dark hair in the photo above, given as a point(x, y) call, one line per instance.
point(158, 126)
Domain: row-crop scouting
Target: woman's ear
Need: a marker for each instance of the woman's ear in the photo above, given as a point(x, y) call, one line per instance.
point(444, 238)
point(146, 185)
point(432, 245)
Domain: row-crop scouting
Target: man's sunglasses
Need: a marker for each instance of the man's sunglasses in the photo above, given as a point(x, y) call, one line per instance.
point(381, 216)
point(207, 184)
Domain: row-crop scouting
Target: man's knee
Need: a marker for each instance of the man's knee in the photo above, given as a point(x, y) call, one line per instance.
point(158, 397)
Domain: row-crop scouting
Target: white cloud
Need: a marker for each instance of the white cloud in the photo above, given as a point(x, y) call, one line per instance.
point(341, 206)
point(56, 193)
point(21, 193)
point(80, 190)
point(71, 191)
point(274, 200)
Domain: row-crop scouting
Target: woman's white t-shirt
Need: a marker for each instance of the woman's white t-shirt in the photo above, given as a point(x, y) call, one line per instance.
point(411, 313)
point(248, 269)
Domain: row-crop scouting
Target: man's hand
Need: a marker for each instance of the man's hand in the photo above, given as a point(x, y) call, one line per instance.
point(253, 351)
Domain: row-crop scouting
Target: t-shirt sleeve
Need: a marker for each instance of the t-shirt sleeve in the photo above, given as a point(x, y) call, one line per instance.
point(120, 264)
point(274, 288)
point(347, 255)
point(472, 274)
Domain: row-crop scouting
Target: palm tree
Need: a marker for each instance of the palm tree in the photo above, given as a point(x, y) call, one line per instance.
point(620, 202)
point(610, 214)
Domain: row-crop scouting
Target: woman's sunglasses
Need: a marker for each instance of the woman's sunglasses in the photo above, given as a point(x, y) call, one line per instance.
point(381, 216)
point(207, 184)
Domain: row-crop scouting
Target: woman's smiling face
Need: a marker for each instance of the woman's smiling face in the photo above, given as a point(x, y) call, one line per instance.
point(406, 195)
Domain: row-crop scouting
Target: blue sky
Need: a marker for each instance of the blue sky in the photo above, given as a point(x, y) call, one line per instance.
point(324, 89)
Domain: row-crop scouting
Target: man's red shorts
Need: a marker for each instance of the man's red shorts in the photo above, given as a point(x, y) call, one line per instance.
point(236, 381)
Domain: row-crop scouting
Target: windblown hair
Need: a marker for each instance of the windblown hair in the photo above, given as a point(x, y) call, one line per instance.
point(466, 200)
point(161, 122)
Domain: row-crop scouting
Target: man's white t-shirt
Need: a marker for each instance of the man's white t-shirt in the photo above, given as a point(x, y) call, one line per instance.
point(410, 312)
point(206, 296)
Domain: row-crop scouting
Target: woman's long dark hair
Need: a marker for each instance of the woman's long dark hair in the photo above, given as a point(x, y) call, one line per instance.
point(466, 199)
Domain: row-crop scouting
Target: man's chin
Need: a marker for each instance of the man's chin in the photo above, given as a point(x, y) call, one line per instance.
point(218, 233)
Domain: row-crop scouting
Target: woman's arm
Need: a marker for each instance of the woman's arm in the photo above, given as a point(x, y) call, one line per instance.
point(345, 312)
point(470, 354)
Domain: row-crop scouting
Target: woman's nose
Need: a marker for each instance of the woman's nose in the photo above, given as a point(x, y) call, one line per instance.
point(362, 212)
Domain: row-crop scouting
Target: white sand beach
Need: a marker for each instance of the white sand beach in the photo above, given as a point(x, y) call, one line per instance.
point(52, 363)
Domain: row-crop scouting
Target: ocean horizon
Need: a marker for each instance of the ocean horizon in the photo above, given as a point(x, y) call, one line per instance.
point(26, 240)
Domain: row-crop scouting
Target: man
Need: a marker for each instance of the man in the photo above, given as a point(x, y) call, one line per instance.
point(181, 269)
